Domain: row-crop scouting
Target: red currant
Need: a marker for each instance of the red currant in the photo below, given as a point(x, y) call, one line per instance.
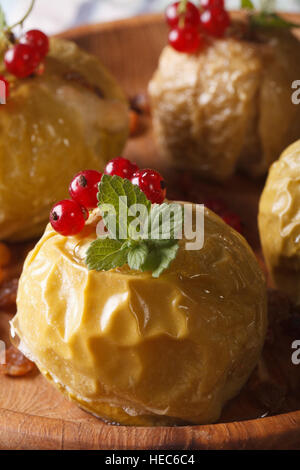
point(38, 40)
point(84, 188)
point(233, 220)
point(6, 85)
point(210, 4)
point(152, 184)
point(68, 217)
point(21, 60)
point(191, 16)
point(121, 167)
point(186, 39)
point(215, 21)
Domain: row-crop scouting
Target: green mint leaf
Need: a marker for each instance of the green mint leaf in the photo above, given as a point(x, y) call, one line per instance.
point(166, 221)
point(116, 196)
point(160, 258)
point(247, 4)
point(105, 254)
point(271, 20)
point(137, 256)
point(167, 255)
point(142, 235)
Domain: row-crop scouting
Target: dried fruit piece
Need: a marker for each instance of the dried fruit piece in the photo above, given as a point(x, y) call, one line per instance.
point(140, 103)
point(133, 122)
point(17, 365)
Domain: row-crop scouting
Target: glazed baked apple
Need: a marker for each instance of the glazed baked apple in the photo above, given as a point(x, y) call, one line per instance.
point(137, 347)
point(279, 222)
point(228, 105)
point(70, 117)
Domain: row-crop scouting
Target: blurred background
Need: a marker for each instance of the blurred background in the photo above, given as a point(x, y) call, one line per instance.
point(55, 16)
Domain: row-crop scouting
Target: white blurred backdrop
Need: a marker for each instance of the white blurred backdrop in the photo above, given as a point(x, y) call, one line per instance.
point(57, 15)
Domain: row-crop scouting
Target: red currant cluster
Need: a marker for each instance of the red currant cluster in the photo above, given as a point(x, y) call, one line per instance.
point(24, 58)
point(211, 19)
point(68, 217)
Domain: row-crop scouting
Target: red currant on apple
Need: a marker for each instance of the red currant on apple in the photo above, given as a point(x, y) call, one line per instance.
point(6, 85)
point(68, 217)
point(38, 40)
point(187, 39)
point(215, 21)
point(21, 60)
point(121, 167)
point(209, 4)
point(191, 16)
point(84, 188)
point(152, 184)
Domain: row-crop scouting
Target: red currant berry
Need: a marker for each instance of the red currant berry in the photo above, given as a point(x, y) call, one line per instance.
point(21, 60)
point(67, 217)
point(84, 188)
point(215, 22)
point(186, 39)
point(210, 4)
point(38, 40)
point(152, 184)
point(121, 167)
point(6, 86)
point(233, 220)
point(191, 16)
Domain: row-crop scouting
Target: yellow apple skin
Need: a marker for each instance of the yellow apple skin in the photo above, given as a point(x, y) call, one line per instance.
point(229, 106)
point(72, 117)
point(279, 222)
point(136, 350)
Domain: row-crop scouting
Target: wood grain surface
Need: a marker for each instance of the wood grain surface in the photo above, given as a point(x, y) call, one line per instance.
point(33, 415)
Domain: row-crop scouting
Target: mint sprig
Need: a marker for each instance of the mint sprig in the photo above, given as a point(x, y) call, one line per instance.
point(266, 17)
point(271, 20)
point(105, 254)
point(141, 235)
point(247, 4)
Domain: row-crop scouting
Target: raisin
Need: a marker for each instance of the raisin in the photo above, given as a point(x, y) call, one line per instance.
point(17, 364)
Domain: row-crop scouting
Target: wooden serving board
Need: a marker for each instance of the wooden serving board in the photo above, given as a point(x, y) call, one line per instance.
point(33, 415)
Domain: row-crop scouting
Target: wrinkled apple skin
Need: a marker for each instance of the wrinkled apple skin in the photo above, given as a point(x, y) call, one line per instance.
point(72, 117)
point(229, 106)
point(137, 350)
point(279, 222)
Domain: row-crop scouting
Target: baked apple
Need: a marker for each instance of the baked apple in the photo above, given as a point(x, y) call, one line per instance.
point(228, 105)
point(279, 222)
point(72, 116)
point(131, 357)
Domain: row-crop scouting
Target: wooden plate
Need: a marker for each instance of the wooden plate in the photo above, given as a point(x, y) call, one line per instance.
point(33, 415)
